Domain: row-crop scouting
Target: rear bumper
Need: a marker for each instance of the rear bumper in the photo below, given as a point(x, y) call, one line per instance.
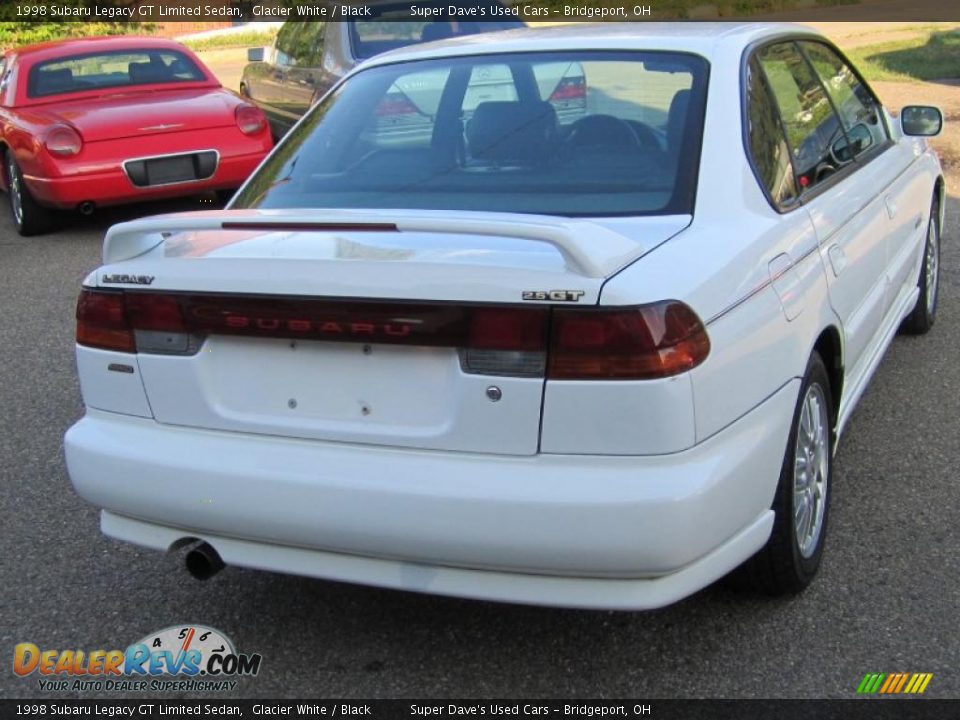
point(526, 588)
point(584, 531)
point(112, 186)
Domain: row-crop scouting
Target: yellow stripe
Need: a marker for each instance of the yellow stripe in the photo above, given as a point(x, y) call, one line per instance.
point(926, 681)
point(888, 682)
point(903, 679)
point(914, 681)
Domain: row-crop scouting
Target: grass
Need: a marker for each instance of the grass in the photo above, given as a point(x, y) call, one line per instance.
point(250, 38)
point(935, 56)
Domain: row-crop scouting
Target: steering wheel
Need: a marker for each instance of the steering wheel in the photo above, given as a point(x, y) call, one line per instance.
point(604, 131)
point(644, 133)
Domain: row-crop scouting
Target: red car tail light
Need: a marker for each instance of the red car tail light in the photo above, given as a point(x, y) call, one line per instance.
point(63, 141)
point(102, 321)
point(250, 119)
point(651, 341)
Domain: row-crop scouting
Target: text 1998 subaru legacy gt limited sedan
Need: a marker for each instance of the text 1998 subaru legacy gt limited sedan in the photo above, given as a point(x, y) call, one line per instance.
point(595, 363)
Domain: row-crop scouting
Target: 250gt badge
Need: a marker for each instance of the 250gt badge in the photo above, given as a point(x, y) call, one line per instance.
point(554, 295)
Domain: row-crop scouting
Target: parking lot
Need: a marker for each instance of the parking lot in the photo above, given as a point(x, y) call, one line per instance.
point(887, 599)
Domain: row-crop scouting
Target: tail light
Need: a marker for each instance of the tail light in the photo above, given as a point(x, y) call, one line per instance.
point(102, 321)
point(651, 341)
point(63, 141)
point(250, 119)
point(395, 104)
point(570, 88)
point(506, 341)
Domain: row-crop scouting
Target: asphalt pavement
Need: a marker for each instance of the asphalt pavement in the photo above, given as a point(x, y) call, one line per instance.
point(887, 600)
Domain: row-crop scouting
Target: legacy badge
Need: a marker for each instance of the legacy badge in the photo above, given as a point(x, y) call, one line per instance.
point(128, 279)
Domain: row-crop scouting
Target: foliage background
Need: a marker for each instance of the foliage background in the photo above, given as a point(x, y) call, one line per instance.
point(13, 34)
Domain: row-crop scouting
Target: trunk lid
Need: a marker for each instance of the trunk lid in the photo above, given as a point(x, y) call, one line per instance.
point(134, 113)
point(366, 326)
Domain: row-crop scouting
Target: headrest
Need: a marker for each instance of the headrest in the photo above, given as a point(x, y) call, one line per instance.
point(677, 119)
point(512, 131)
point(146, 72)
point(436, 31)
point(54, 81)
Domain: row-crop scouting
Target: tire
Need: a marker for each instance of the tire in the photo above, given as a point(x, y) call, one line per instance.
point(791, 557)
point(28, 217)
point(924, 314)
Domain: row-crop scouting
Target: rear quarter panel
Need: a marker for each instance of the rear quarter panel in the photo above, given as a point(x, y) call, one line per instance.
point(729, 267)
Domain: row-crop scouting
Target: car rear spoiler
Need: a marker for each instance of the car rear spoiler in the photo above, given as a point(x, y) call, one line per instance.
point(589, 249)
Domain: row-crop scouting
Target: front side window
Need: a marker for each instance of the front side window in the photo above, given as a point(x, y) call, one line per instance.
point(123, 68)
point(858, 109)
point(811, 125)
point(768, 148)
point(565, 133)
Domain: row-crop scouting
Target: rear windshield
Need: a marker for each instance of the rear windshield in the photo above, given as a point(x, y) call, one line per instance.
point(111, 70)
point(565, 133)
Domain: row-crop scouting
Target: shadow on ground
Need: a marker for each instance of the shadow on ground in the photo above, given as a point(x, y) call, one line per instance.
point(939, 58)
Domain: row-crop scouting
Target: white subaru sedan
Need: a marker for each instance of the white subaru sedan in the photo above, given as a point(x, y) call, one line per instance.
point(596, 362)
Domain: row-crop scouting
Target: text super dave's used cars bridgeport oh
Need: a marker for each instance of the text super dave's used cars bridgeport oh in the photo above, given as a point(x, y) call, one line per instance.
point(498, 351)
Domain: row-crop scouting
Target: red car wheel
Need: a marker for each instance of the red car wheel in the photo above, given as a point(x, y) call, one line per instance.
point(28, 217)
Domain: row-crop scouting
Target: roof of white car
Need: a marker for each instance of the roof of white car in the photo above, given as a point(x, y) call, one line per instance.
point(697, 37)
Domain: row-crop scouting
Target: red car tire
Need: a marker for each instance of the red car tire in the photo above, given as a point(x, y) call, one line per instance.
point(29, 217)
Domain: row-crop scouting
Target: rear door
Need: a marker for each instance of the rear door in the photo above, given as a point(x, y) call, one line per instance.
point(842, 196)
point(267, 87)
point(305, 74)
point(904, 196)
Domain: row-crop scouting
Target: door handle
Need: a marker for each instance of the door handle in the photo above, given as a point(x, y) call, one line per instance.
point(838, 259)
point(786, 284)
point(891, 207)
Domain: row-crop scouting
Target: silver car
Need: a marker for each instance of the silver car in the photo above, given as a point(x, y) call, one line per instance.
point(308, 58)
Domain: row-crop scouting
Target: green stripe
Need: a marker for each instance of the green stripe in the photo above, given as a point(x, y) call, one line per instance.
point(876, 685)
point(864, 683)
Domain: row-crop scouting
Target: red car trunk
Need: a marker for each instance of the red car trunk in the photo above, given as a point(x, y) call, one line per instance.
point(144, 111)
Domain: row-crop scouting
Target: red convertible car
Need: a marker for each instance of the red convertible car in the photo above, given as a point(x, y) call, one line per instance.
point(103, 121)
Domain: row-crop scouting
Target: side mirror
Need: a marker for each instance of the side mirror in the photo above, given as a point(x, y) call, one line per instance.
point(846, 148)
point(921, 120)
point(255, 54)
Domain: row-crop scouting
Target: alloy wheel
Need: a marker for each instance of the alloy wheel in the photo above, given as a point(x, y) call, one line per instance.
point(932, 265)
point(811, 471)
point(16, 197)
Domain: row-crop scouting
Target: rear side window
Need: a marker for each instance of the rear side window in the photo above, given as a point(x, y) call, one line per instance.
point(769, 153)
point(858, 109)
point(811, 125)
point(109, 70)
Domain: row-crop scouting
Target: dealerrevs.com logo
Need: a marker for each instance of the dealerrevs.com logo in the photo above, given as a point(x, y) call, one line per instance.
point(179, 658)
